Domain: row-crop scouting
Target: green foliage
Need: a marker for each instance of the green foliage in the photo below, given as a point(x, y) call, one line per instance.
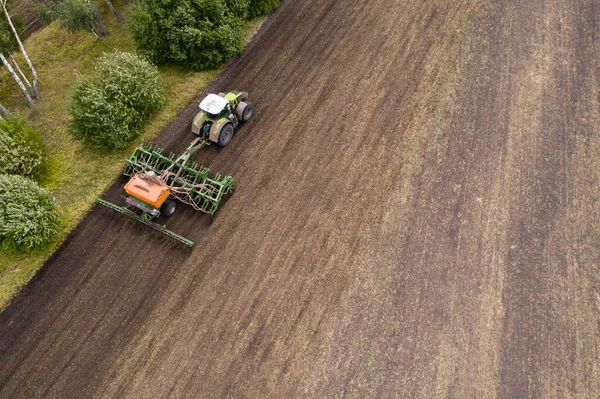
point(28, 216)
point(45, 13)
point(74, 16)
point(8, 43)
point(198, 34)
point(21, 149)
point(239, 8)
point(109, 108)
point(261, 7)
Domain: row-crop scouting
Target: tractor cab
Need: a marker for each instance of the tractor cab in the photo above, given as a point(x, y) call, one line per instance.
point(220, 115)
point(215, 107)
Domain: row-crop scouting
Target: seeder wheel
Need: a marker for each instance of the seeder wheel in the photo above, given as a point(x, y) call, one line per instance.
point(168, 208)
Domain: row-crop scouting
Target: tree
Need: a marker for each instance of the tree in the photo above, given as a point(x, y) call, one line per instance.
point(97, 18)
point(3, 112)
point(261, 7)
point(73, 16)
point(28, 216)
point(12, 72)
point(109, 108)
point(114, 10)
point(45, 14)
point(198, 34)
point(8, 45)
point(34, 87)
point(21, 149)
point(239, 8)
point(21, 74)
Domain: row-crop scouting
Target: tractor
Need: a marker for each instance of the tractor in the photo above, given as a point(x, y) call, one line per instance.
point(157, 180)
point(220, 115)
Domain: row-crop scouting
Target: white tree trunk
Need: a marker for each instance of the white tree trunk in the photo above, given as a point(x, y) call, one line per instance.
point(18, 68)
point(18, 80)
point(33, 72)
point(114, 10)
point(96, 34)
point(3, 111)
point(103, 30)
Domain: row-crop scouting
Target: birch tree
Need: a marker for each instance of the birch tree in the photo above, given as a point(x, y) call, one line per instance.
point(17, 79)
point(114, 10)
point(3, 112)
point(34, 87)
point(7, 46)
point(97, 18)
point(18, 68)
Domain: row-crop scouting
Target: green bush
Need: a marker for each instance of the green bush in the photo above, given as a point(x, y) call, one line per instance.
point(46, 14)
point(28, 216)
point(109, 108)
point(21, 149)
point(239, 8)
point(261, 7)
point(73, 15)
point(197, 34)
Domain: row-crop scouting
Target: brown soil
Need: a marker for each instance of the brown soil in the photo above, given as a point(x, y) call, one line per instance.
point(416, 216)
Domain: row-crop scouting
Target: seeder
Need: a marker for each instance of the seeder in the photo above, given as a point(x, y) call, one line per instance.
point(158, 180)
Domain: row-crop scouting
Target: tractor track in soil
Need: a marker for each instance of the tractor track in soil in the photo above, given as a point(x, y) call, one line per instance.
point(416, 216)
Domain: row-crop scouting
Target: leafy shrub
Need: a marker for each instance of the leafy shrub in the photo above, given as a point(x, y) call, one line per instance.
point(21, 149)
point(28, 215)
point(45, 13)
point(74, 16)
point(109, 108)
point(239, 8)
point(198, 34)
point(261, 7)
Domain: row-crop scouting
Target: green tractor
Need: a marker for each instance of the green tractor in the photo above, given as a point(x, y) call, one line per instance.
point(157, 179)
point(220, 115)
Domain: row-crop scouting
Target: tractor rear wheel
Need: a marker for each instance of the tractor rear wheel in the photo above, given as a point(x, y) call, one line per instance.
point(225, 134)
point(244, 111)
point(168, 208)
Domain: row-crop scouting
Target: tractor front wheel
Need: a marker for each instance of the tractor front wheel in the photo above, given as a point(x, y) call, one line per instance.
point(168, 208)
point(225, 134)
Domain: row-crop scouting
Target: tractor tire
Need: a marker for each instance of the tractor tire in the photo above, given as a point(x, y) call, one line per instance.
point(225, 134)
point(168, 208)
point(244, 111)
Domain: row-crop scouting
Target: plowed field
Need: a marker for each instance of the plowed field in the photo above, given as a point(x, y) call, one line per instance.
point(416, 216)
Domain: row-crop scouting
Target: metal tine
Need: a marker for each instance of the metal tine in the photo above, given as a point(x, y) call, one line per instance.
point(205, 198)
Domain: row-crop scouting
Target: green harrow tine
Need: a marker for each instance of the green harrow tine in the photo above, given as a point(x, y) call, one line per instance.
point(147, 222)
